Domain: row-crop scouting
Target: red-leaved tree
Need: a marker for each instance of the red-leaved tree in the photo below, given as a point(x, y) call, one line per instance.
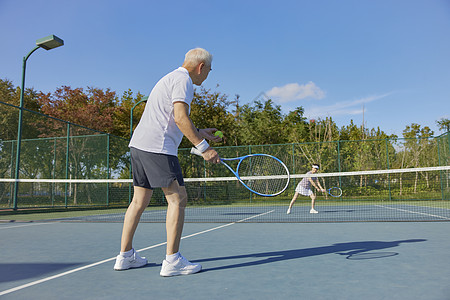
point(93, 108)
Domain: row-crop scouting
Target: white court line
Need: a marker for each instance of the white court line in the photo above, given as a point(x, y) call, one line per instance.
point(34, 224)
point(113, 258)
point(414, 212)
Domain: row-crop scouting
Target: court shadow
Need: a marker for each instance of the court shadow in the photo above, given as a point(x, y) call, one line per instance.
point(241, 214)
point(344, 210)
point(346, 249)
point(19, 271)
point(149, 265)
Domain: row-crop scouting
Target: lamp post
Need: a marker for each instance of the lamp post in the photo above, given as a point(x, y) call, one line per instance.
point(46, 43)
point(131, 134)
point(131, 114)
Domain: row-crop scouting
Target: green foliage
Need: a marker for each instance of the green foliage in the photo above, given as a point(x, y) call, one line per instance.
point(9, 115)
point(122, 113)
point(93, 108)
point(261, 124)
point(210, 110)
point(444, 124)
point(417, 147)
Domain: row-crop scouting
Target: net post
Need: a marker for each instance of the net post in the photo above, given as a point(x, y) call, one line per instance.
point(440, 172)
point(250, 152)
point(339, 161)
point(11, 186)
point(53, 186)
point(387, 165)
point(107, 168)
point(203, 189)
point(67, 163)
point(448, 139)
point(293, 160)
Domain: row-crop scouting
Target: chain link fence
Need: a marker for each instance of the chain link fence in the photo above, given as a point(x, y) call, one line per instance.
point(56, 149)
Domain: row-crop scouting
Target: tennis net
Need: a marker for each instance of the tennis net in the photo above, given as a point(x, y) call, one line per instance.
point(413, 194)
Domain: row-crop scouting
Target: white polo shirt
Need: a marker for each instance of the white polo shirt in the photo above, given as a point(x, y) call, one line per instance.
point(157, 131)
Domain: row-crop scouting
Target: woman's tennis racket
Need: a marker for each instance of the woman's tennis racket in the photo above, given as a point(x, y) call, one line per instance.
point(262, 174)
point(335, 192)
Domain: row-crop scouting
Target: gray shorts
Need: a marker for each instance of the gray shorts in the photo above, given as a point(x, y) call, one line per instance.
point(153, 170)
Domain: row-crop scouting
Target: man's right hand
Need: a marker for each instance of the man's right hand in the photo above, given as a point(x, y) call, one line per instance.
point(210, 155)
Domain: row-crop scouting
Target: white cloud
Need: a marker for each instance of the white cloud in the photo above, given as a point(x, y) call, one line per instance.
point(353, 107)
point(294, 91)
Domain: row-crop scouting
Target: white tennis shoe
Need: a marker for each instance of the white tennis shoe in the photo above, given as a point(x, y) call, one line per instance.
point(180, 267)
point(133, 261)
point(313, 211)
point(288, 211)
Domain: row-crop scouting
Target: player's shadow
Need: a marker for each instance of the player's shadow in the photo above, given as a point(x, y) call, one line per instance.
point(347, 249)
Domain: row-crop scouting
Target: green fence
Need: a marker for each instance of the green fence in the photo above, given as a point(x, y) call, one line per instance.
point(56, 149)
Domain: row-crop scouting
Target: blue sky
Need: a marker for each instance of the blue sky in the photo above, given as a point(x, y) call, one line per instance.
point(334, 58)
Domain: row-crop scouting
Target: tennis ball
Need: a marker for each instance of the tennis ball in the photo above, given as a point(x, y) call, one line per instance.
point(218, 133)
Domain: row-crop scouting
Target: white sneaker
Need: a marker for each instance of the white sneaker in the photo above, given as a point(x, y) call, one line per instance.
point(133, 261)
point(288, 211)
point(313, 211)
point(180, 267)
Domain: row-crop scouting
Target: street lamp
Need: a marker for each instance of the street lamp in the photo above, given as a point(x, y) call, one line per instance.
point(131, 114)
point(46, 43)
point(131, 134)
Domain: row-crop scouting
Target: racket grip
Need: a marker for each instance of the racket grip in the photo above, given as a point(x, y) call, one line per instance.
point(196, 151)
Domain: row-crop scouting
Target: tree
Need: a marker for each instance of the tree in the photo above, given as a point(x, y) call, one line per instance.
point(86, 148)
point(122, 113)
point(417, 143)
point(296, 127)
point(93, 109)
point(444, 124)
point(9, 115)
point(31, 161)
point(261, 123)
point(319, 144)
point(418, 149)
point(209, 110)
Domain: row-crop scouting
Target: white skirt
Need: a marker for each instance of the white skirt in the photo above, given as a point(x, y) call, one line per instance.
point(303, 191)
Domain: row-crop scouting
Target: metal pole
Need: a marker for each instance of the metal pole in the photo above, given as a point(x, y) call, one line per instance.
point(53, 185)
point(107, 168)
point(67, 164)
point(339, 162)
point(441, 173)
point(131, 134)
point(19, 128)
point(131, 115)
point(448, 153)
point(388, 167)
point(293, 161)
point(11, 186)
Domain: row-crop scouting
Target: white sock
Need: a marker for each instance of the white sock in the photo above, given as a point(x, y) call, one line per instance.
point(173, 257)
point(128, 253)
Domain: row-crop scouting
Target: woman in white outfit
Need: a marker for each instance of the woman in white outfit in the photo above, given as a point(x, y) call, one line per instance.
point(304, 188)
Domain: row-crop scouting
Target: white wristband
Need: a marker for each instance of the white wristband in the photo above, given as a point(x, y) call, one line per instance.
point(202, 146)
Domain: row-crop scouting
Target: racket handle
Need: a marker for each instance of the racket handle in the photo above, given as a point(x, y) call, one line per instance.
point(196, 151)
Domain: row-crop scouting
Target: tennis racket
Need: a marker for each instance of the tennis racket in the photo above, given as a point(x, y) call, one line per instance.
point(335, 192)
point(262, 174)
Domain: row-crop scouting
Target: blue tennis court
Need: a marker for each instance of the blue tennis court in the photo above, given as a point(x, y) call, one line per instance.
point(383, 260)
point(390, 243)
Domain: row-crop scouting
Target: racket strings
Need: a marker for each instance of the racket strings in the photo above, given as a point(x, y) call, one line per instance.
point(335, 192)
point(263, 174)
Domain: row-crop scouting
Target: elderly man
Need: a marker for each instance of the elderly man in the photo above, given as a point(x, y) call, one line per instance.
point(154, 160)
